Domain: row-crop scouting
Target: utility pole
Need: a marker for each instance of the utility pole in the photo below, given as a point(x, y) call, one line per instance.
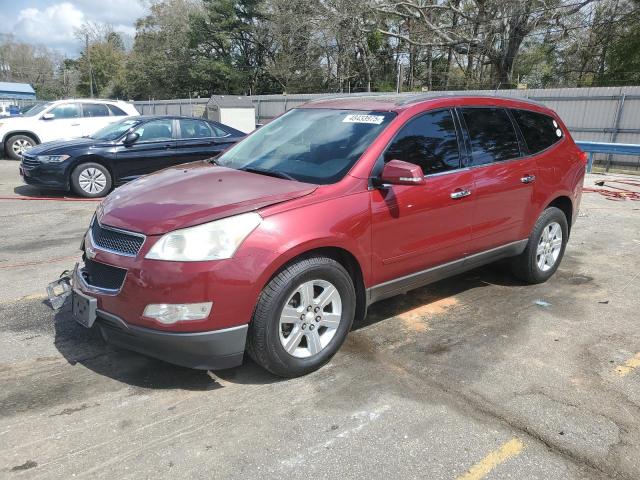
point(86, 49)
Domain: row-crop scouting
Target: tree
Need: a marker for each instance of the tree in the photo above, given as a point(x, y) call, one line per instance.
point(489, 32)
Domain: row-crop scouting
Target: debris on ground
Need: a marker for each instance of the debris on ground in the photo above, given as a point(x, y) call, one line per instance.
point(542, 303)
point(620, 193)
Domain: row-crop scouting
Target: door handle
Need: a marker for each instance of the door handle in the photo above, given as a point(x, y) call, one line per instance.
point(168, 145)
point(75, 124)
point(460, 194)
point(528, 179)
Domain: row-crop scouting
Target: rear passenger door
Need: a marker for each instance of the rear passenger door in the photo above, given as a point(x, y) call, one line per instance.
point(199, 139)
point(503, 177)
point(94, 117)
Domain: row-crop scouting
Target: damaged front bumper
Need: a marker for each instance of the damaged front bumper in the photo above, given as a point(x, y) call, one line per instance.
point(209, 350)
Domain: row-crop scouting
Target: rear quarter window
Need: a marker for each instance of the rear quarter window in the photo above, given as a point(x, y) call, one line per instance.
point(540, 131)
point(116, 111)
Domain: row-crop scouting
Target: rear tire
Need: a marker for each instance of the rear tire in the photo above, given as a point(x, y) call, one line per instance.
point(545, 248)
point(302, 317)
point(17, 144)
point(91, 180)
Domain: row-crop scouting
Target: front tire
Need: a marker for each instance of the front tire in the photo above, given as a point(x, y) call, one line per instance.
point(302, 317)
point(91, 180)
point(17, 145)
point(545, 248)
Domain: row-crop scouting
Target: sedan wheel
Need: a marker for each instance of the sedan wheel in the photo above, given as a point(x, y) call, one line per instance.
point(549, 246)
point(92, 181)
point(310, 318)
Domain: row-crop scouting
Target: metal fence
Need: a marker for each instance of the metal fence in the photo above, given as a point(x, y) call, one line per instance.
point(600, 114)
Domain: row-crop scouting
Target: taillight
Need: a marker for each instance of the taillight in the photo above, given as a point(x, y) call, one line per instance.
point(584, 156)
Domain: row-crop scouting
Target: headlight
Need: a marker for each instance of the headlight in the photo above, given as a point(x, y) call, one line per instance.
point(52, 158)
point(211, 241)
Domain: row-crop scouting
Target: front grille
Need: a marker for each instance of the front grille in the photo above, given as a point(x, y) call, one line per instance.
point(29, 162)
point(101, 275)
point(116, 241)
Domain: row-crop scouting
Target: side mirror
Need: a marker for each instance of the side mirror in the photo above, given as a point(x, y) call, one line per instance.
point(48, 116)
point(131, 138)
point(397, 172)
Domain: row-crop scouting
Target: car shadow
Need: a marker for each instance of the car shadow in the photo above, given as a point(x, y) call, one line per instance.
point(79, 345)
point(35, 192)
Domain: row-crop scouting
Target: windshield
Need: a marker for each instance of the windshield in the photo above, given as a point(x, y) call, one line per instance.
point(313, 145)
point(113, 131)
point(35, 110)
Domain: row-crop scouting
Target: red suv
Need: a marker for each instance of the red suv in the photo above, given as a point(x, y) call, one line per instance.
point(279, 244)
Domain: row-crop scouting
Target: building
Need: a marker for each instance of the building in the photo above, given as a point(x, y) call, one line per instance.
point(12, 90)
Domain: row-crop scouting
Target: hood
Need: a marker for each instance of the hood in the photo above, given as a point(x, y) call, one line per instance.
point(192, 194)
point(62, 146)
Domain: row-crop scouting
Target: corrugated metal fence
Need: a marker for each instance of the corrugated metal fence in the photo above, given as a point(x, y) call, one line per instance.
point(601, 114)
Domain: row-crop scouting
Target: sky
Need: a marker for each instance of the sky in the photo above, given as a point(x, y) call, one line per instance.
point(52, 22)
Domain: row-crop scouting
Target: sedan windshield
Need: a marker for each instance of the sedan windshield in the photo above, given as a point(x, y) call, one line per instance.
point(113, 131)
point(313, 145)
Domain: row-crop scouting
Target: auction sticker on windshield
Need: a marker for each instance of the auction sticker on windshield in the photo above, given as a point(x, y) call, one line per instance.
point(360, 118)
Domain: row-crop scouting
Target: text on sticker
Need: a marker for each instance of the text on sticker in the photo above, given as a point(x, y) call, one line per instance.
point(359, 118)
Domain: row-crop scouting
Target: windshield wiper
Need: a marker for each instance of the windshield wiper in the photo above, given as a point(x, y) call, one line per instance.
point(271, 173)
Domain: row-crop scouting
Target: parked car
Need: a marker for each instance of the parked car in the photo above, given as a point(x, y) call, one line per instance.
point(297, 229)
point(58, 120)
point(123, 151)
point(8, 110)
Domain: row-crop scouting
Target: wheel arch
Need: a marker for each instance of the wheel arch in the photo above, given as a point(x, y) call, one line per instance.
point(341, 255)
point(26, 133)
point(91, 159)
point(564, 203)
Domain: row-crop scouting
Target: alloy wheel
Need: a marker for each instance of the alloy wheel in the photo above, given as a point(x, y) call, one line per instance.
point(92, 180)
point(310, 318)
point(20, 146)
point(549, 246)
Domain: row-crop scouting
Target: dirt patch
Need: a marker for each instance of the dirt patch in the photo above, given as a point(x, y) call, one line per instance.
point(417, 319)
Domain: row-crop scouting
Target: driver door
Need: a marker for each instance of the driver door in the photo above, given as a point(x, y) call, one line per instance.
point(152, 151)
point(418, 227)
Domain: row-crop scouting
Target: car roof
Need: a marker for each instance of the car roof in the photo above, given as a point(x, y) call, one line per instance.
point(397, 102)
point(89, 100)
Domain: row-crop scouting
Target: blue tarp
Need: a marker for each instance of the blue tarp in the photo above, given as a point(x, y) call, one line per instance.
point(16, 90)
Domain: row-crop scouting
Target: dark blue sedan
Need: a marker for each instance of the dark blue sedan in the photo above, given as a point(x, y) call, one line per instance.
point(123, 151)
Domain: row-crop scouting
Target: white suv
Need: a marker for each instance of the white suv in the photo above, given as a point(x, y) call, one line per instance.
point(59, 120)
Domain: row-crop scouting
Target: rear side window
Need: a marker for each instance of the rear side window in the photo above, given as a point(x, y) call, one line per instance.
point(94, 110)
point(116, 111)
point(539, 131)
point(492, 136)
point(429, 141)
point(190, 128)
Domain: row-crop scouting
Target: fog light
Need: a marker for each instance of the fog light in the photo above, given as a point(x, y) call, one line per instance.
point(169, 313)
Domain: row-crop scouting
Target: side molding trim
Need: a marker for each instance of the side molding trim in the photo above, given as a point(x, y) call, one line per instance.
point(439, 272)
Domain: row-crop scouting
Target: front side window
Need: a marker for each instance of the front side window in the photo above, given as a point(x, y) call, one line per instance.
point(314, 145)
point(429, 141)
point(68, 110)
point(539, 131)
point(95, 110)
point(190, 128)
point(491, 134)
point(155, 130)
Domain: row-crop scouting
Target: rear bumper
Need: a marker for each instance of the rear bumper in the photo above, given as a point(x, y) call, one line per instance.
point(213, 350)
